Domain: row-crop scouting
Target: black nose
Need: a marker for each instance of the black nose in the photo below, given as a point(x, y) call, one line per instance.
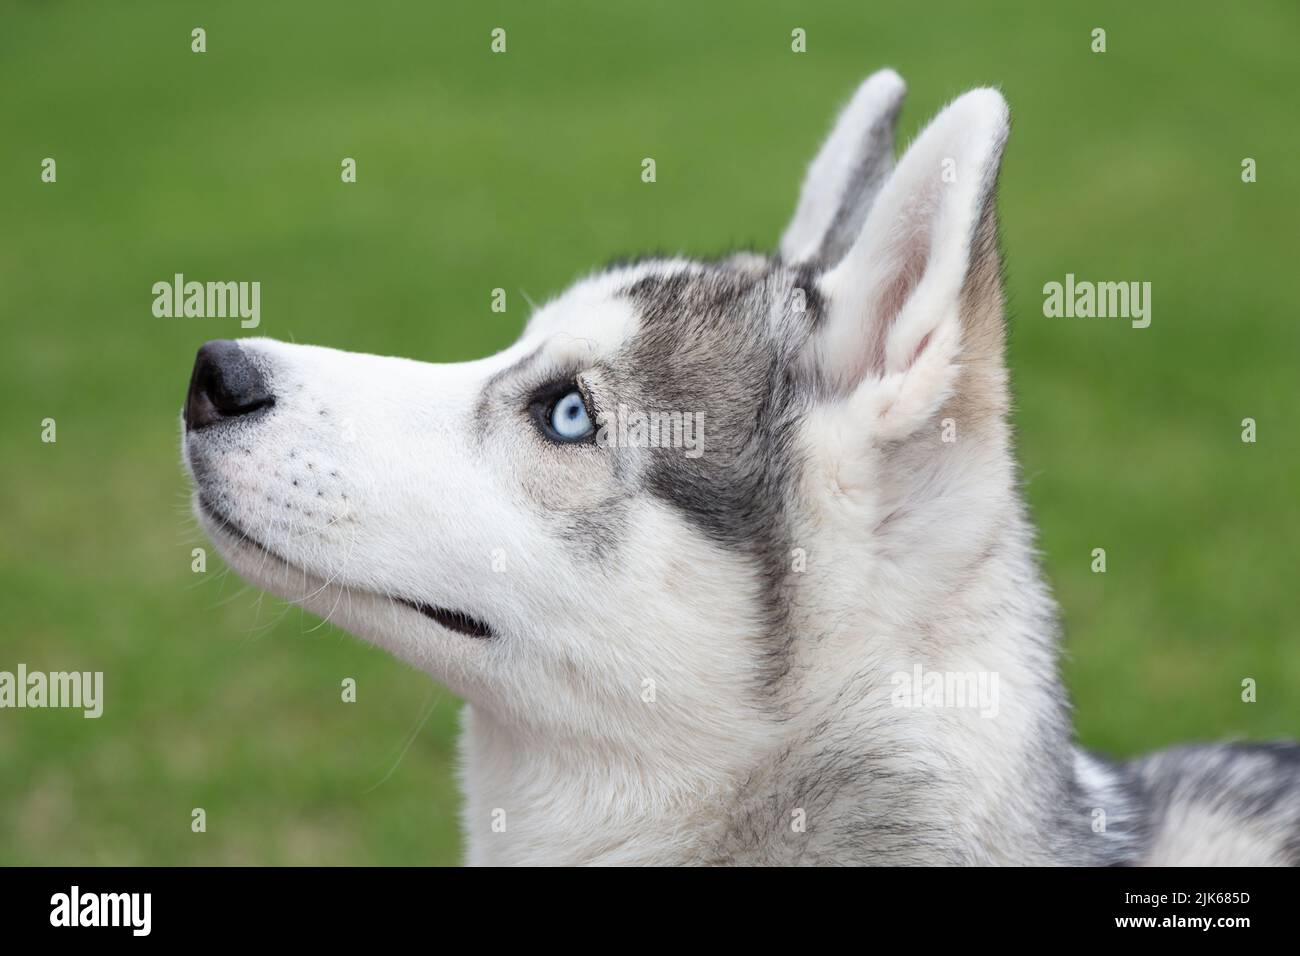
point(225, 384)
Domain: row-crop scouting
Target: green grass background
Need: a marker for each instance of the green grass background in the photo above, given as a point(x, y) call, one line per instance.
point(521, 171)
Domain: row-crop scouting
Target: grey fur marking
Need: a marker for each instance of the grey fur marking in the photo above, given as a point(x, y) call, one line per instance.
point(699, 349)
point(1255, 785)
point(872, 170)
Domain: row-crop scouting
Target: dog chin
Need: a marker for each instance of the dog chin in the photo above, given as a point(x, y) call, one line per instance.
point(253, 560)
point(266, 568)
point(354, 609)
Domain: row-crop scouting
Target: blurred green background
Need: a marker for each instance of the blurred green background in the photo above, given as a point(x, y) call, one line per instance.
point(522, 170)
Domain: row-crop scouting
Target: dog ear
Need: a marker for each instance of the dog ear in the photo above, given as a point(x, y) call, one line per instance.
point(846, 175)
point(920, 289)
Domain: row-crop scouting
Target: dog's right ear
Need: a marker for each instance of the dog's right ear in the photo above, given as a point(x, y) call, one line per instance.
point(843, 180)
point(915, 306)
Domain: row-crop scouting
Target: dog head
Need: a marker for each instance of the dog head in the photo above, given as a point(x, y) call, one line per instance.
point(653, 512)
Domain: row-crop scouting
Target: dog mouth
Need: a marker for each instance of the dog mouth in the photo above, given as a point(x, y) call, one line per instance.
point(457, 621)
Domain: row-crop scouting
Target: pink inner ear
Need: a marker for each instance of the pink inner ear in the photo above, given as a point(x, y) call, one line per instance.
point(910, 258)
point(920, 347)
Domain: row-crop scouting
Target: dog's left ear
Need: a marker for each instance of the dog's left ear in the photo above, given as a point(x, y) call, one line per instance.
point(845, 176)
point(916, 303)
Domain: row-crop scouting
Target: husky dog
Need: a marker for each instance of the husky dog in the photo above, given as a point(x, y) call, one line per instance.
point(763, 652)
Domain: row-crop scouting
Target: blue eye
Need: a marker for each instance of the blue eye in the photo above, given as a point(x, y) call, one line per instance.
point(569, 419)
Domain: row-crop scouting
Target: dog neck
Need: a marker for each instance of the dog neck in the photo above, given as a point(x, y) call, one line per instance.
point(845, 767)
